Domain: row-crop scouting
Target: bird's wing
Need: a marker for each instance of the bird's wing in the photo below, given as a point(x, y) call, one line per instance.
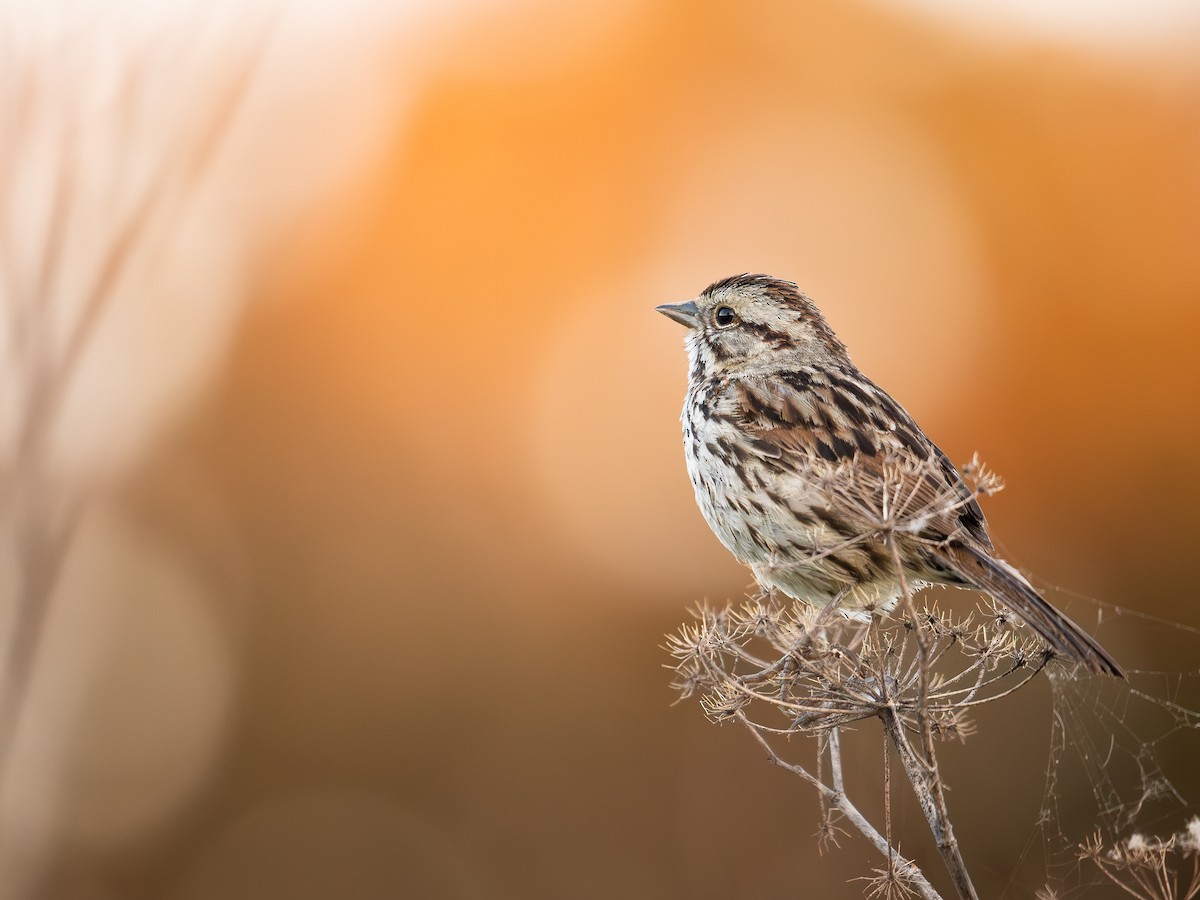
point(838, 420)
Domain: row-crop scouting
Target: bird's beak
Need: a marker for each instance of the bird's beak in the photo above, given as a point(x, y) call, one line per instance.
point(684, 313)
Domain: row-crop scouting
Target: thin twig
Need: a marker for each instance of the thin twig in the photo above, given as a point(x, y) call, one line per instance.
point(836, 797)
point(927, 785)
point(924, 773)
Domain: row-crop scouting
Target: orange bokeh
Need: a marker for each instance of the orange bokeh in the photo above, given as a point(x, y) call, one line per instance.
point(418, 516)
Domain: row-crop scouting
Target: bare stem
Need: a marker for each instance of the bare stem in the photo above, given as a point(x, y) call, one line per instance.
point(923, 773)
point(927, 785)
point(835, 796)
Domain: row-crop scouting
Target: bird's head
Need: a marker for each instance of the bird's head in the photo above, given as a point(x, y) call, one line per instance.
point(754, 323)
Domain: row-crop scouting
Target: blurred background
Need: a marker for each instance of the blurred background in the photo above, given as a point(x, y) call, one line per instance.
point(343, 493)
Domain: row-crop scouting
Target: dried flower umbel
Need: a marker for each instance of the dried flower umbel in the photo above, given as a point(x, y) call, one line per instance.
point(782, 656)
point(781, 668)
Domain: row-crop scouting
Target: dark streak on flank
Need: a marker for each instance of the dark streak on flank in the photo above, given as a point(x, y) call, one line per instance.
point(841, 562)
point(865, 444)
point(843, 449)
point(831, 521)
point(825, 451)
point(800, 515)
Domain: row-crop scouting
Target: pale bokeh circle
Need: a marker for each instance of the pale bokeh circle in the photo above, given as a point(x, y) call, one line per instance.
point(130, 698)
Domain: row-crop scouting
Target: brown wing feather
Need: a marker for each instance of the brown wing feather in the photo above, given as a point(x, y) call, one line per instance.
point(815, 417)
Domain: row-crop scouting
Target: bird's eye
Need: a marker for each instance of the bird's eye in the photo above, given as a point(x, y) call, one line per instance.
point(725, 316)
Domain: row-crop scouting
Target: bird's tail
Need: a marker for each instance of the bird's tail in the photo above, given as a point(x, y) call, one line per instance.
point(1008, 586)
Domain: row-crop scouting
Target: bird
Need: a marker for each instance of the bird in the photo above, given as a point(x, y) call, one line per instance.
point(816, 479)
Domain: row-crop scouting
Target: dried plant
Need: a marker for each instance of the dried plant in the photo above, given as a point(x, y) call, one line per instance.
point(783, 669)
point(1150, 868)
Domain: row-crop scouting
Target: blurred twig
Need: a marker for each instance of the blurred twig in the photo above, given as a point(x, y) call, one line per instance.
point(834, 794)
point(44, 363)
